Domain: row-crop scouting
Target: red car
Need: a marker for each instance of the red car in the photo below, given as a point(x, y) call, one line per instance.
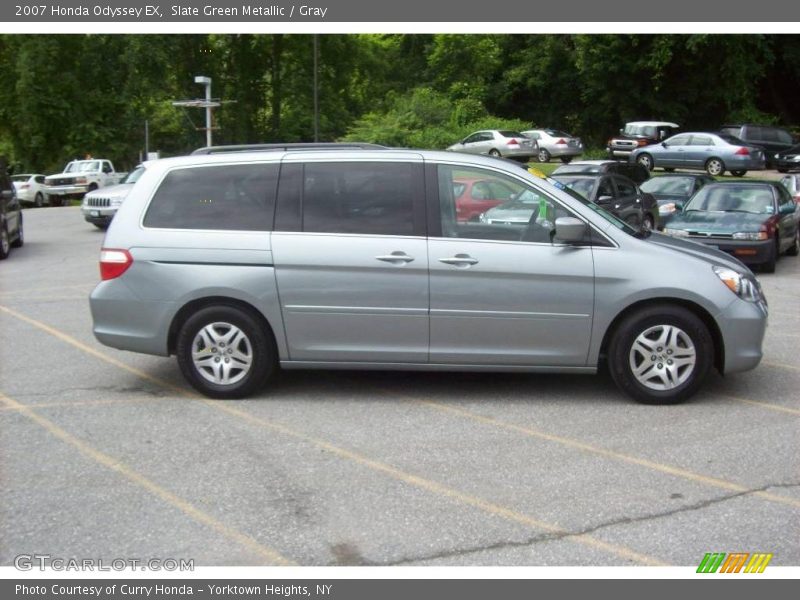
point(473, 197)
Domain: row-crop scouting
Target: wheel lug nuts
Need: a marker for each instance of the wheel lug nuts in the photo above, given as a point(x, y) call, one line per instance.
point(213, 349)
point(669, 351)
point(660, 365)
point(669, 362)
point(653, 358)
point(230, 350)
point(660, 348)
point(227, 360)
point(216, 359)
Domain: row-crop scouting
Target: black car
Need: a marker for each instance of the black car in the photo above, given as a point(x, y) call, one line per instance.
point(10, 213)
point(617, 194)
point(788, 160)
point(772, 139)
point(634, 171)
point(673, 190)
point(755, 221)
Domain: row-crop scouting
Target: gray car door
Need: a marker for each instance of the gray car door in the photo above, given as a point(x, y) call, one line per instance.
point(351, 260)
point(504, 294)
point(699, 150)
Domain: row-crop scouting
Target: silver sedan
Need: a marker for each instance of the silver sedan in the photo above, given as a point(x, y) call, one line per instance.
point(555, 143)
point(714, 153)
point(497, 142)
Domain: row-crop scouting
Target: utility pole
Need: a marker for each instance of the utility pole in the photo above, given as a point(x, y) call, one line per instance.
point(316, 89)
point(208, 103)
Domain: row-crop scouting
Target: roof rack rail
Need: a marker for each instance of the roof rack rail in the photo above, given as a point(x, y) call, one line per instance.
point(291, 146)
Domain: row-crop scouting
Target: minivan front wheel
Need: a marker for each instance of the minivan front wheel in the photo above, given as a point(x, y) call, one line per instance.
point(660, 354)
point(225, 353)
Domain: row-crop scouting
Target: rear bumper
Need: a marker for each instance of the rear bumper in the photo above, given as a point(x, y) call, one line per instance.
point(788, 165)
point(564, 150)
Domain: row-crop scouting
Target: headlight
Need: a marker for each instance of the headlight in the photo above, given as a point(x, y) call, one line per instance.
point(676, 232)
point(796, 158)
point(667, 209)
point(80, 180)
point(116, 201)
point(741, 285)
point(750, 235)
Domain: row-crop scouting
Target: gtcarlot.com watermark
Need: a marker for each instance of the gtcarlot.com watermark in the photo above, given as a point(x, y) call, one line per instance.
point(43, 562)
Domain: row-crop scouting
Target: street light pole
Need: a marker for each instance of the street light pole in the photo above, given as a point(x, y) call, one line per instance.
point(206, 82)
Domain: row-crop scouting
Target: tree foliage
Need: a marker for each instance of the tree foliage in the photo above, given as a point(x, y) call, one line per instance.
point(68, 95)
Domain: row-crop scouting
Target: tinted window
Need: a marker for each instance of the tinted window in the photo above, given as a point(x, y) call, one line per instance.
point(227, 197)
point(626, 188)
point(678, 140)
point(367, 198)
point(783, 136)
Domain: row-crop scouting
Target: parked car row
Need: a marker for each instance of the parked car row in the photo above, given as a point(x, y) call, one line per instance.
point(11, 229)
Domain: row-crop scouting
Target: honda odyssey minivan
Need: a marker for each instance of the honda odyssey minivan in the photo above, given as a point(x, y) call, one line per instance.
point(243, 263)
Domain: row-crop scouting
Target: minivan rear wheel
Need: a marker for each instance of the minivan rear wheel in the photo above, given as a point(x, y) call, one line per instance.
point(225, 353)
point(660, 354)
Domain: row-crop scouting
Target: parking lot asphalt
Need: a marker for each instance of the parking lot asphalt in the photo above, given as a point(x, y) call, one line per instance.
point(109, 454)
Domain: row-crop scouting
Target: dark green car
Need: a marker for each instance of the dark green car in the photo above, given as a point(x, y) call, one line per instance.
point(755, 221)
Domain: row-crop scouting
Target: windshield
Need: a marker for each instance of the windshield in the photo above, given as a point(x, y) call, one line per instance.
point(83, 166)
point(510, 134)
point(581, 185)
point(640, 130)
point(134, 175)
point(755, 199)
point(677, 186)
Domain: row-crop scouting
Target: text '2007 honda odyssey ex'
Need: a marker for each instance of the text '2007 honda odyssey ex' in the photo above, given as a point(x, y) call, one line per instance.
point(351, 258)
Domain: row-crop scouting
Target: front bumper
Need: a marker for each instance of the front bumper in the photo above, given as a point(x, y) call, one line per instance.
point(742, 325)
point(747, 251)
point(68, 191)
point(98, 216)
point(787, 165)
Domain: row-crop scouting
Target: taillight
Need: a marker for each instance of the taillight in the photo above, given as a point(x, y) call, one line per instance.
point(743, 151)
point(513, 142)
point(561, 142)
point(114, 263)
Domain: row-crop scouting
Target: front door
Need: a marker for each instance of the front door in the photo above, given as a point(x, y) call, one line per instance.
point(505, 294)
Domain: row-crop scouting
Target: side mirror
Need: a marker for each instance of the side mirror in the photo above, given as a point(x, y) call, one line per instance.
point(679, 207)
point(664, 144)
point(621, 130)
point(570, 230)
point(787, 209)
point(604, 200)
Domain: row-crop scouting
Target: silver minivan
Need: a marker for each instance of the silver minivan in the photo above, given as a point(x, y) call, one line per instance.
point(242, 263)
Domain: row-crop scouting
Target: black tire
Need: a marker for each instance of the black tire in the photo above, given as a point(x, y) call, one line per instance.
point(92, 187)
point(261, 348)
point(494, 152)
point(5, 242)
point(783, 170)
point(20, 241)
point(738, 173)
point(38, 200)
point(543, 156)
point(669, 169)
point(102, 226)
point(646, 161)
point(794, 249)
point(715, 167)
point(772, 261)
point(657, 319)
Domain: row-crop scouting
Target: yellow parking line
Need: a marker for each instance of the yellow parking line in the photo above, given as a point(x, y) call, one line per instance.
point(440, 489)
point(780, 366)
point(578, 445)
point(767, 405)
point(82, 403)
point(175, 501)
point(414, 480)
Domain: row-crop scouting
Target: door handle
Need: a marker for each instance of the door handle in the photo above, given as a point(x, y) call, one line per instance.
point(398, 257)
point(460, 260)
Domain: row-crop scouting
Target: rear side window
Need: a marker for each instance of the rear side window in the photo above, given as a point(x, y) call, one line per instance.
point(360, 197)
point(221, 197)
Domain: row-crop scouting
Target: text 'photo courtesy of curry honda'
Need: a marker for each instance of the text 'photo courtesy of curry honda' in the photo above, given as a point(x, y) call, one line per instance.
point(243, 263)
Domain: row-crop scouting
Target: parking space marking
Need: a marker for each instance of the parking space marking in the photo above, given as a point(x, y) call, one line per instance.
point(393, 472)
point(768, 405)
point(82, 403)
point(143, 482)
point(781, 366)
point(592, 449)
point(35, 290)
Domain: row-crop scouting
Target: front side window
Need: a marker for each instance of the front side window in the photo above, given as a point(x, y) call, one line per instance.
point(219, 197)
point(626, 188)
point(360, 197)
point(678, 140)
point(512, 212)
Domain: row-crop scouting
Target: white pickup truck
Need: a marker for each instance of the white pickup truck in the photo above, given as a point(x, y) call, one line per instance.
point(79, 177)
